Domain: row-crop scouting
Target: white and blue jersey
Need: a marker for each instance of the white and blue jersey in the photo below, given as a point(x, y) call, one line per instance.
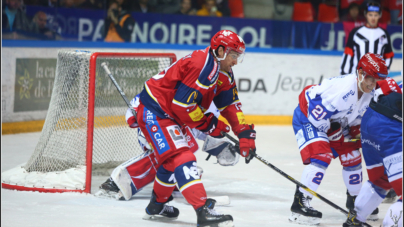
point(335, 100)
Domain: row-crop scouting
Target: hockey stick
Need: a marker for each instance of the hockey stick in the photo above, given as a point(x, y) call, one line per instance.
point(104, 65)
point(294, 181)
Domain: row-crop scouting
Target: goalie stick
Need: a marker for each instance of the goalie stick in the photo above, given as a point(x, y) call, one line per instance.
point(293, 180)
point(104, 65)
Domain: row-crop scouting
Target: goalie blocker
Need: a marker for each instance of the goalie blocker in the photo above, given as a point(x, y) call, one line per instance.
point(133, 175)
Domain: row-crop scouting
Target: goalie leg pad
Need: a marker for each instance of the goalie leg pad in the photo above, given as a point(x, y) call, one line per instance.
point(123, 180)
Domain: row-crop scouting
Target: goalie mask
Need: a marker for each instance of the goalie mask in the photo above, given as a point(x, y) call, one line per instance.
point(230, 41)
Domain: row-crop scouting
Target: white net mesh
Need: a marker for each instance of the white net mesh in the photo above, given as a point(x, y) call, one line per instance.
point(63, 141)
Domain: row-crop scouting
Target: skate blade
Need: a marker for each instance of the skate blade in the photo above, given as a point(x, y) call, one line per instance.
point(157, 217)
point(221, 224)
point(373, 217)
point(390, 200)
point(303, 220)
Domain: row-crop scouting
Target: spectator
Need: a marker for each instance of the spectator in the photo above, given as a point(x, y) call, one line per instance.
point(168, 6)
point(40, 21)
point(209, 9)
point(344, 6)
point(92, 4)
point(143, 6)
point(118, 25)
point(67, 3)
point(223, 7)
point(186, 8)
point(395, 7)
point(13, 18)
point(353, 14)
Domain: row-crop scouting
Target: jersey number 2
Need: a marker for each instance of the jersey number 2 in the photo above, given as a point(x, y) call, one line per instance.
point(318, 178)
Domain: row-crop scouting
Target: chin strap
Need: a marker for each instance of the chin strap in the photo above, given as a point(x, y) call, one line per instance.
point(219, 59)
point(360, 81)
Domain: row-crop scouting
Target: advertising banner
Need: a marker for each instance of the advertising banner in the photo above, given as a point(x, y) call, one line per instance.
point(34, 79)
point(87, 25)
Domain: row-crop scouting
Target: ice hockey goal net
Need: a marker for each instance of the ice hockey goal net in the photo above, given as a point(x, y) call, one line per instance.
point(85, 131)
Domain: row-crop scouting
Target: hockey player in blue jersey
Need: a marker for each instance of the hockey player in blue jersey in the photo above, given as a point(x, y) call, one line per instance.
point(381, 136)
point(328, 114)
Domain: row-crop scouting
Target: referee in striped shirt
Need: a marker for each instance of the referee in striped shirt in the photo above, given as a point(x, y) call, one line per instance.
point(368, 38)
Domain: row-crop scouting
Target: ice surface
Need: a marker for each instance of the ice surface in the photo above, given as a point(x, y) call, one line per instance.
point(259, 196)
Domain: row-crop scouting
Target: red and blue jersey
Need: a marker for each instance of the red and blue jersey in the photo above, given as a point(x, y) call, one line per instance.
point(185, 90)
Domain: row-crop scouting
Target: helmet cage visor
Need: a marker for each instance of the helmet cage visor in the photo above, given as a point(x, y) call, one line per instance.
point(236, 54)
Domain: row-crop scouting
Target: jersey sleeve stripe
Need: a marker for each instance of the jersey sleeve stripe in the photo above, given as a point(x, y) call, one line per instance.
point(183, 104)
point(209, 73)
point(349, 51)
point(150, 93)
point(235, 102)
point(228, 76)
point(388, 55)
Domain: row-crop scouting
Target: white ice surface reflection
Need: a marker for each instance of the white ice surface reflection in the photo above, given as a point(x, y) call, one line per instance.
point(259, 195)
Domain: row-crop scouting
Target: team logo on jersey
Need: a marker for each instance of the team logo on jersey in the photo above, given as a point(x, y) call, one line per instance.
point(158, 138)
point(345, 97)
point(177, 137)
point(395, 218)
point(154, 128)
point(309, 131)
point(214, 73)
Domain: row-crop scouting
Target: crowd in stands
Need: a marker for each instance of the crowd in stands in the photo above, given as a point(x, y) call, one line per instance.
point(14, 17)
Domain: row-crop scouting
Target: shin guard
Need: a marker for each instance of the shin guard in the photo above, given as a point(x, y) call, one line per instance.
point(368, 200)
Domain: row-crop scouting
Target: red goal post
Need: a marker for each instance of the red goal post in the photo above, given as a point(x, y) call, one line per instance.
point(85, 132)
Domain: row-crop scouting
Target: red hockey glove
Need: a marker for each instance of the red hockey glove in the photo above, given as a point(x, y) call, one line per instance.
point(336, 139)
point(355, 131)
point(335, 136)
point(246, 135)
point(213, 126)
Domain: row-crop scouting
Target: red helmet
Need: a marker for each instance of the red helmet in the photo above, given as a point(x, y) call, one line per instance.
point(230, 41)
point(373, 65)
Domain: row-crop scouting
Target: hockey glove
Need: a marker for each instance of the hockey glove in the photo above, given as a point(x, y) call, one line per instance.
point(336, 139)
point(213, 126)
point(246, 135)
point(335, 135)
point(355, 131)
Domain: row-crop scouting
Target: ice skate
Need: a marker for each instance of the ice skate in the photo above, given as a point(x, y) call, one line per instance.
point(208, 217)
point(352, 221)
point(302, 212)
point(391, 197)
point(109, 190)
point(156, 210)
point(350, 205)
point(374, 216)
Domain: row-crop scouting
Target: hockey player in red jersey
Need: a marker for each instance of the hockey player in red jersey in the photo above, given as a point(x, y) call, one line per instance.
point(179, 96)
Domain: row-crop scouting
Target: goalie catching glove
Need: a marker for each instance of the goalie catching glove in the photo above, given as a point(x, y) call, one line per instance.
point(246, 135)
point(213, 126)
